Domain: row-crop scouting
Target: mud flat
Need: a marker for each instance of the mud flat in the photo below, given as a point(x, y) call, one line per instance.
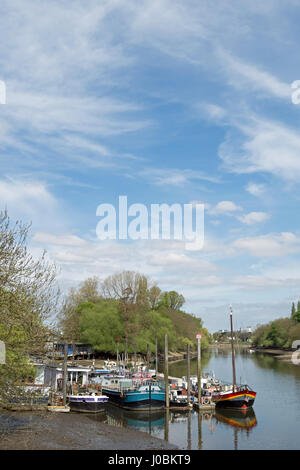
point(70, 431)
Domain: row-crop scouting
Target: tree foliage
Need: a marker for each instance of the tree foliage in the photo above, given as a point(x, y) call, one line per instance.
point(69, 317)
point(129, 306)
point(28, 297)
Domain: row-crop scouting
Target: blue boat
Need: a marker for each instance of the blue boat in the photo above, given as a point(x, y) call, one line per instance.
point(132, 395)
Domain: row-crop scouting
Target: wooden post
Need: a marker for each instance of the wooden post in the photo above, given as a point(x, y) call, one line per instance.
point(148, 356)
point(156, 357)
point(167, 418)
point(189, 434)
point(199, 368)
point(199, 430)
point(232, 352)
point(134, 355)
point(167, 373)
point(118, 354)
point(188, 374)
point(65, 374)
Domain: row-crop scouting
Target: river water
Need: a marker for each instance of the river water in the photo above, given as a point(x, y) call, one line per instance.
point(274, 422)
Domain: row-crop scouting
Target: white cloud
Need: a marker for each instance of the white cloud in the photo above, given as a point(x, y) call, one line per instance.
point(269, 245)
point(244, 75)
point(175, 176)
point(255, 189)
point(254, 218)
point(264, 146)
point(32, 201)
point(225, 208)
point(64, 240)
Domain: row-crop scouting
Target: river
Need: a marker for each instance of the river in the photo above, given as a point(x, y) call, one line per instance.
point(274, 422)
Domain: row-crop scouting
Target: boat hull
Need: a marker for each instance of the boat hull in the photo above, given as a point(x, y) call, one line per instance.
point(88, 405)
point(134, 400)
point(239, 400)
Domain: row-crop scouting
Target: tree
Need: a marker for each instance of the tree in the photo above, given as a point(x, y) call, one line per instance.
point(127, 285)
point(69, 318)
point(28, 297)
point(295, 314)
point(293, 311)
point(101, 324)
point(154, 294)
point(172, 300)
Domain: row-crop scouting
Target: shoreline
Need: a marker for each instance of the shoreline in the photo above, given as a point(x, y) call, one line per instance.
point(72, 431)
point(284, 355)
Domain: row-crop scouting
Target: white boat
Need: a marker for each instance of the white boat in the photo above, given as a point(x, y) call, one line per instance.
point(88, 402)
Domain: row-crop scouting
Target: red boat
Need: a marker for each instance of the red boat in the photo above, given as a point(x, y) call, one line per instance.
point(243, 397)
point(240, 396)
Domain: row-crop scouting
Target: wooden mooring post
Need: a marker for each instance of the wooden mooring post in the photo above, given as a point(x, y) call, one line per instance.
point(167, 373)
point(156, 357)
point(199, 367)
point(65, 374)
point(188, 358)
point(134, 355)
point(148, 356)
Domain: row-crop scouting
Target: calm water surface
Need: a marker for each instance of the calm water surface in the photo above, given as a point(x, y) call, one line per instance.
point(274, 422)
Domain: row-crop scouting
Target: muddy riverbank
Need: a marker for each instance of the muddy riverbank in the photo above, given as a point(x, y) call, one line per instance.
point(69, 431)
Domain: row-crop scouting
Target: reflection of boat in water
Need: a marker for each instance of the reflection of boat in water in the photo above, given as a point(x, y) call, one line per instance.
point(238, 418)
point(147, 421)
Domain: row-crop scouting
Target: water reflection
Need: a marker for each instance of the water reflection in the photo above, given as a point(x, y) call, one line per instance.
point(189, 427)
point(244, 419)
point(152, 422)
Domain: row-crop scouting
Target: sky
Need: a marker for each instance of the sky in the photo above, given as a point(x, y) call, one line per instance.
point(165, 102)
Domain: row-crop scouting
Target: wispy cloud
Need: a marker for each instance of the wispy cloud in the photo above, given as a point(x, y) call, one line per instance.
point(254, 218)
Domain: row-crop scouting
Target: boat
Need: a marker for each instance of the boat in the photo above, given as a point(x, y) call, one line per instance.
point(87, 402)
point(239, 397)
point(236, 396)
point(178, 398)
point(132, 394)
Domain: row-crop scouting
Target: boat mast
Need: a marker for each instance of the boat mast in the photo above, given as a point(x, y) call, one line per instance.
point(232, 352)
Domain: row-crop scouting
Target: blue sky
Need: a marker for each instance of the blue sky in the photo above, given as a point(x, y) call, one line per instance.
point(162, 101)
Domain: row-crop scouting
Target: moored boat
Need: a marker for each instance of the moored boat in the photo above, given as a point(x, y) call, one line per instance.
point(242, 397)
point(179, 399)
point(87, 403)
point(130, 394)
point(236, 396)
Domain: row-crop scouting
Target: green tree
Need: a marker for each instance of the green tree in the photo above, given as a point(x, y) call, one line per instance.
point(69, 317)
point(101, 324)
point(293, 312)
point(296, 316)
point(28, 297)
point(172, 300)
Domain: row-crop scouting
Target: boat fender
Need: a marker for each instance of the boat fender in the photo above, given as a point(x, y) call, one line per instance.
point(205, 401)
